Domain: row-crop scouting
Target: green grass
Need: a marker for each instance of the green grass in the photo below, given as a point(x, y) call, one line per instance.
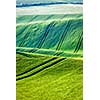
point(49, 63)
point(34, 18)
point(60, 81)
point(53, 32)
point(31, 60)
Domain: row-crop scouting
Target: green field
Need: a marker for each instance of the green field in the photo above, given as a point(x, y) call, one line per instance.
point(49, 57)
point(58, 79)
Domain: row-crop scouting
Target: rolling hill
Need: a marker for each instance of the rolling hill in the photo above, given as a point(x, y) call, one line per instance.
point(49, 52)
point(51, 78)
point(49, 32)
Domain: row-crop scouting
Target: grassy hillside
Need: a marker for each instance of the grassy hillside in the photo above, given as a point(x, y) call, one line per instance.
point(54, 32)
point(49, 64)
point(51, 78)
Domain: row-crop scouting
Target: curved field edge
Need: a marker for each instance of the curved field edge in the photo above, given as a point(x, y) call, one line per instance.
point(26, 19)
point(50, 52)
point(62, 81)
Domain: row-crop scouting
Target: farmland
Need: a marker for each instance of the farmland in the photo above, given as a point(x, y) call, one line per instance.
point(49, 32)
point(49, 57)
point(51, 78)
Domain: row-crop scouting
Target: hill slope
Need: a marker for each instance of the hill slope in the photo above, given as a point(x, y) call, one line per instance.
point(54, 78)
point(53, 32)
point(47, 67)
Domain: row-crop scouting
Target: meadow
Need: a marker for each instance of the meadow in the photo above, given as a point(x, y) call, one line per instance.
point(49, 57)
point(42, 77)
point(55, 32)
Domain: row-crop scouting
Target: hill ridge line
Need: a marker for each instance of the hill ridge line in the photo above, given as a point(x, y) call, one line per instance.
point(46, 21)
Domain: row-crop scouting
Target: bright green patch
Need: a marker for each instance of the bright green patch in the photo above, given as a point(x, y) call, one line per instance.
point(60, 81)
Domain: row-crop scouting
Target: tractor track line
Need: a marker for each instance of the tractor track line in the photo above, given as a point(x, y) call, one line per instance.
point(58, 53)
point(41, 39)
point(63, 36)
point(49, 17)
point(45, 62)
point(52, 25)
point(25, 36)
point(41, 69)
point(22, 30)
point(79, 43)
point(33, 18)
point(45, 34)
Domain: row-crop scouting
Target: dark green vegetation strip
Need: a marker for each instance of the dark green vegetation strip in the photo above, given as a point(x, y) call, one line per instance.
point(79, 44)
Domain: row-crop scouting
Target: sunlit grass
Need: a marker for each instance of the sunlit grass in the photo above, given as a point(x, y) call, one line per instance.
point(62, 81)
